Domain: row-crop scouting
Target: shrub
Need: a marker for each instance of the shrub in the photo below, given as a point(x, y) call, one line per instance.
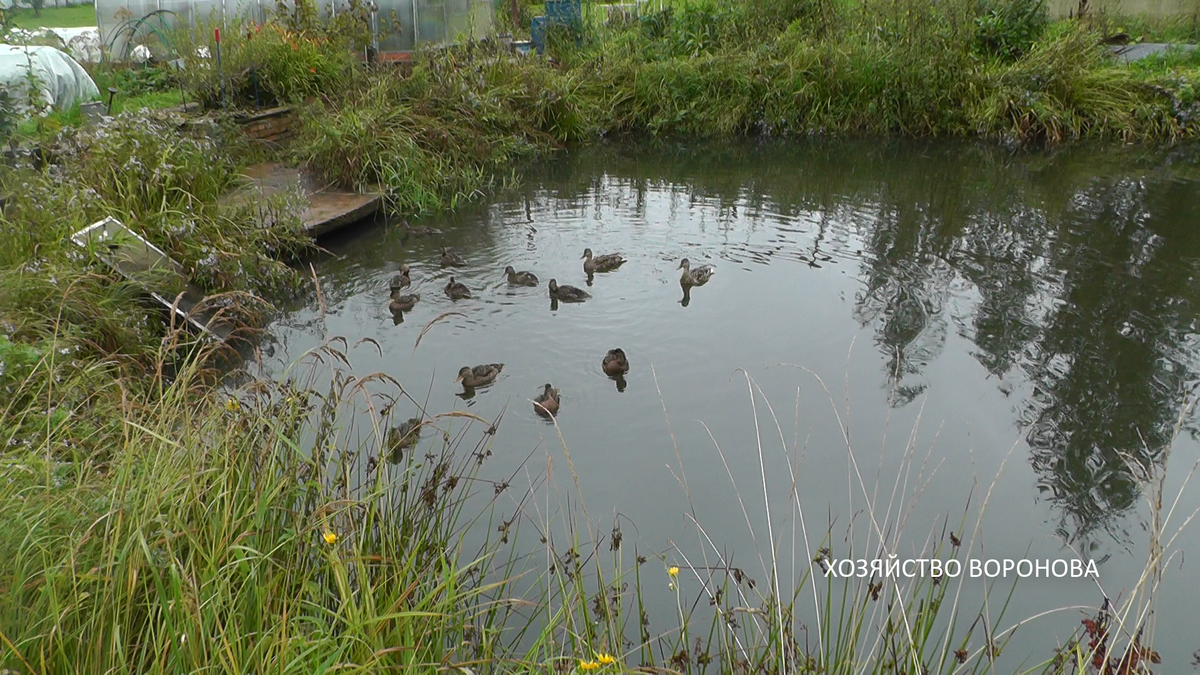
point(1009, 28)
point(285, 64)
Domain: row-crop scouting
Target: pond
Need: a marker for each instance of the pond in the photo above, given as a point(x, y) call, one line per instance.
point(979, 325)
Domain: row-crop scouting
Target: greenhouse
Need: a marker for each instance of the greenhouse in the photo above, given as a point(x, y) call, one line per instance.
point(398, 25)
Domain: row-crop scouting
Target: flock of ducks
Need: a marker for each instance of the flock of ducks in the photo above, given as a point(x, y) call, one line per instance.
point(614, 364)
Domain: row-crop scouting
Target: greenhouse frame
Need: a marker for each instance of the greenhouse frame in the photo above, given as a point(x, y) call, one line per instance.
point(125, 23)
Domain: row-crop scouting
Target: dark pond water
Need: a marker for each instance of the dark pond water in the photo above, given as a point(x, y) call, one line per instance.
point(973, 313)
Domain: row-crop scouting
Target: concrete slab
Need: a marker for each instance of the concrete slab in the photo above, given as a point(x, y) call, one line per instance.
point(140, 262)
point(328, 209)
point(1131, 53)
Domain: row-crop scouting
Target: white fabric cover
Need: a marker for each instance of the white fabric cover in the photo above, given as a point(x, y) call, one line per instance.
point(82, 43)
point(61, 81)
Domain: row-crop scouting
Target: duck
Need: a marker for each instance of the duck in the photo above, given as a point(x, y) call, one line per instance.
point(451, 259)
point(694, 277)
point(404, 435)
point(603, 263)
point(417, 230)
point(401, 280)
point(520, 278)
point(615, 364)
point(457, 291)
point(567, 293)
point(403, 303)
point(479, 376)
point(547, 402)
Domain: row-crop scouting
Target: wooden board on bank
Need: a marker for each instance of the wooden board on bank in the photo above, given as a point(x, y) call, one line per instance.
point(328, 209)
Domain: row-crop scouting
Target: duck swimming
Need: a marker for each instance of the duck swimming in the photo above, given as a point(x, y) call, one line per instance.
point(457, 291)
point(547, 402)
point(603, 263)
point(401, 280)
point(567, 293)
point(479, 375)
point(694, 277)
point(404, 435)
point(520, 278)
point(615, 364)
point(407, 230)
point(451, 259)
point(403, 303)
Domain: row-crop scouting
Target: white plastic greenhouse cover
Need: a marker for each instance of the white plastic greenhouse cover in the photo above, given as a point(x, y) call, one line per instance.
point(421, 21)
point(60, 80)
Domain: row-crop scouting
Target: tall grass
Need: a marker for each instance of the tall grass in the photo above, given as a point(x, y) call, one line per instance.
point(281, 527)
point(457, 125)
point(255, 533)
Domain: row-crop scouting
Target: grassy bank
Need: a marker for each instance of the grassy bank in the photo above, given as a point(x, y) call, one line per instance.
point(770, 67)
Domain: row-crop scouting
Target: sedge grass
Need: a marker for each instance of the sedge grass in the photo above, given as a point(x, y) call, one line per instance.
point(252, 534)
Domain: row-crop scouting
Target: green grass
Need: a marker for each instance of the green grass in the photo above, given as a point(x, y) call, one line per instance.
point(221, 533)
point(70, 16)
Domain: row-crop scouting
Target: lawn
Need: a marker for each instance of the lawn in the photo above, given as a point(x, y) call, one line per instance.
point(70, 16)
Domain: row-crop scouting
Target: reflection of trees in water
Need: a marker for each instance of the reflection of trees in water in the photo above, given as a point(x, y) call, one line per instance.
point(1088, 296)
point(1108, 380)
point(1080, 268)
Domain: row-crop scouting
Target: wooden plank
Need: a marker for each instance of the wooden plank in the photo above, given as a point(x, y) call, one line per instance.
point(146, 265)
point(329, 209)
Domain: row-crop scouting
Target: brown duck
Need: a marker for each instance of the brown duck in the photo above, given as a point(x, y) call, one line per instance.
point(567, 293)
point(401, 280)
point(404, 435)
point(601, 263)
point(451, 259)
point(479, 375)
point(457, 291)
point(694, 277)
point(615, 364)
point(547, 402)
point(403, 303)
point(520, 278)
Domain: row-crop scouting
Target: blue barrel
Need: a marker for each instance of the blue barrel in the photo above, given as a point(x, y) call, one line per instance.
point(537, 33)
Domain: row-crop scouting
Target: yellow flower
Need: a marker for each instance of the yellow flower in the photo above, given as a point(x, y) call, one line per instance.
point(588, 665)
point(232, 405)
point(330, 538)
point(673, 572)
point(606, 659)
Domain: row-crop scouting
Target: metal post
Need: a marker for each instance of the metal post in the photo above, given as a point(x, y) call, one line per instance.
point(445, 24)
point(375, 28)
point(414, 25)
point(220, 70)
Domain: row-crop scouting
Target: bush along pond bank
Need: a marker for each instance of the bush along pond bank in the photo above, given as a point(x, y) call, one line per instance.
point(155, 522)
point(719, 69)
